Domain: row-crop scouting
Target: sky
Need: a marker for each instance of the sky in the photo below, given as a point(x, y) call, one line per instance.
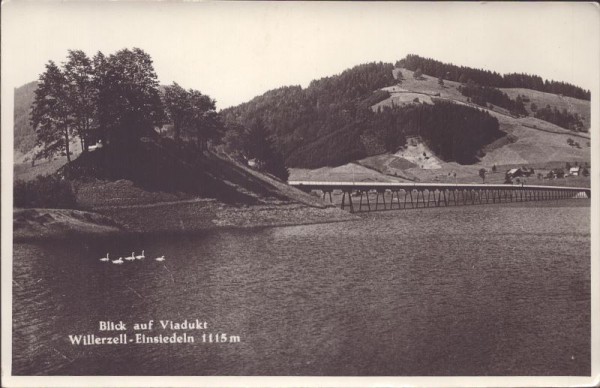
point(234, 51)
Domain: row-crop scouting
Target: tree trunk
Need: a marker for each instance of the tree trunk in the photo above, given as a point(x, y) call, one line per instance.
point(67, 146)
point(86, 141)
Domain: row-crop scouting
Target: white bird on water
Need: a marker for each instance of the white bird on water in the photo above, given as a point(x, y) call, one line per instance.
point(140, 257)
point(130, 258)
point(119, 261)
point(105, 258)
point(162, 258)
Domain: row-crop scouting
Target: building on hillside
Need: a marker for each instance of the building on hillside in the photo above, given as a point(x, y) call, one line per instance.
point(521, 171)
point(556, 173)
point(575, 171)
point(527, 171)
point(413, 140)
point(514, 173)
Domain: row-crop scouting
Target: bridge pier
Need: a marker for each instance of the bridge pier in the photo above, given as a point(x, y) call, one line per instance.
point(325, 192)
point(438, 194)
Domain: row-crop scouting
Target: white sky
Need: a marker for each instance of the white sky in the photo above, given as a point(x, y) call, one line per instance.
point(235, 51)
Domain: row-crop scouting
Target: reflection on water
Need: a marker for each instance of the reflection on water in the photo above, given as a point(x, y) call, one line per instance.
point(482, 290)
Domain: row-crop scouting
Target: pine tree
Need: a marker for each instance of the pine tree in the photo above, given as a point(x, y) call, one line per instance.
point(81, 92)
point(204, 122)
point(260, 146)
point(482, 174)
point(50, 113)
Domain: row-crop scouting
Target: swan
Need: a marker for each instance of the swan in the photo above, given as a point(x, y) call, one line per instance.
point(105, 258)
point(162, 258)
point(140, 257)
point(119, 261)
point(130, 258)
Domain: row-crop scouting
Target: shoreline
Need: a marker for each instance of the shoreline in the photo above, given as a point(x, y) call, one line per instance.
point(185, 218)
point(168, 219)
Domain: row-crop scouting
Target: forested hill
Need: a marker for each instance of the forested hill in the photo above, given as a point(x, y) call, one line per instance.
point(460, 113)
point(462, 74)
point(331, 122)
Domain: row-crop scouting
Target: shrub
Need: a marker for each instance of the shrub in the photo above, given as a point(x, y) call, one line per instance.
point(45, 191)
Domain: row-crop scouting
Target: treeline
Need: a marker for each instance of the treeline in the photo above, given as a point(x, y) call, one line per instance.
point(356, 83)
point(331, 122)
point(192, 114)
point(561, 118)
point(116, 101)
point(488, 78)
point(253, 143)
point(482, 95)
point(309, 125)
point(454, 132)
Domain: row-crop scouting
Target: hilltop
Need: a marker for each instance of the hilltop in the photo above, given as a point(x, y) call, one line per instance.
point(325, 132)
point(359, 124)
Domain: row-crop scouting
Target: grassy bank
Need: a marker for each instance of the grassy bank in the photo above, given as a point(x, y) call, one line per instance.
point(35, 224)
point(162, 187)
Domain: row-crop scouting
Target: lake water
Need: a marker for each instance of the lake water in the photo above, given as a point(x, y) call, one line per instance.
point(475, 290)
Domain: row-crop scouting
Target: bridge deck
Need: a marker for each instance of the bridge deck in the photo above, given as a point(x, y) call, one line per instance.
point(345, 186)
point(442, 194)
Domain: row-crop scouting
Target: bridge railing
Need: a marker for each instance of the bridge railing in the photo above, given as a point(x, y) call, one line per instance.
point(438, 194)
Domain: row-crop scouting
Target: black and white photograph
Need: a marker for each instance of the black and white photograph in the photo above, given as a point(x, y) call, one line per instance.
point(299, 193)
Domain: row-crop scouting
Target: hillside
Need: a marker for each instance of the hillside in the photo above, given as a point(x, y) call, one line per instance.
point(488, 78)
point(24, 134)
point(332, 122)
point(319, 125)
point(529, 141)
point(541, 99)
point(363, 117)
point(161, 170)
point(331, 141)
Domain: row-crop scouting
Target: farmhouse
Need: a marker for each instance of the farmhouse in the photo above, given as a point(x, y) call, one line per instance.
point(515, 172)
point(575, 171)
